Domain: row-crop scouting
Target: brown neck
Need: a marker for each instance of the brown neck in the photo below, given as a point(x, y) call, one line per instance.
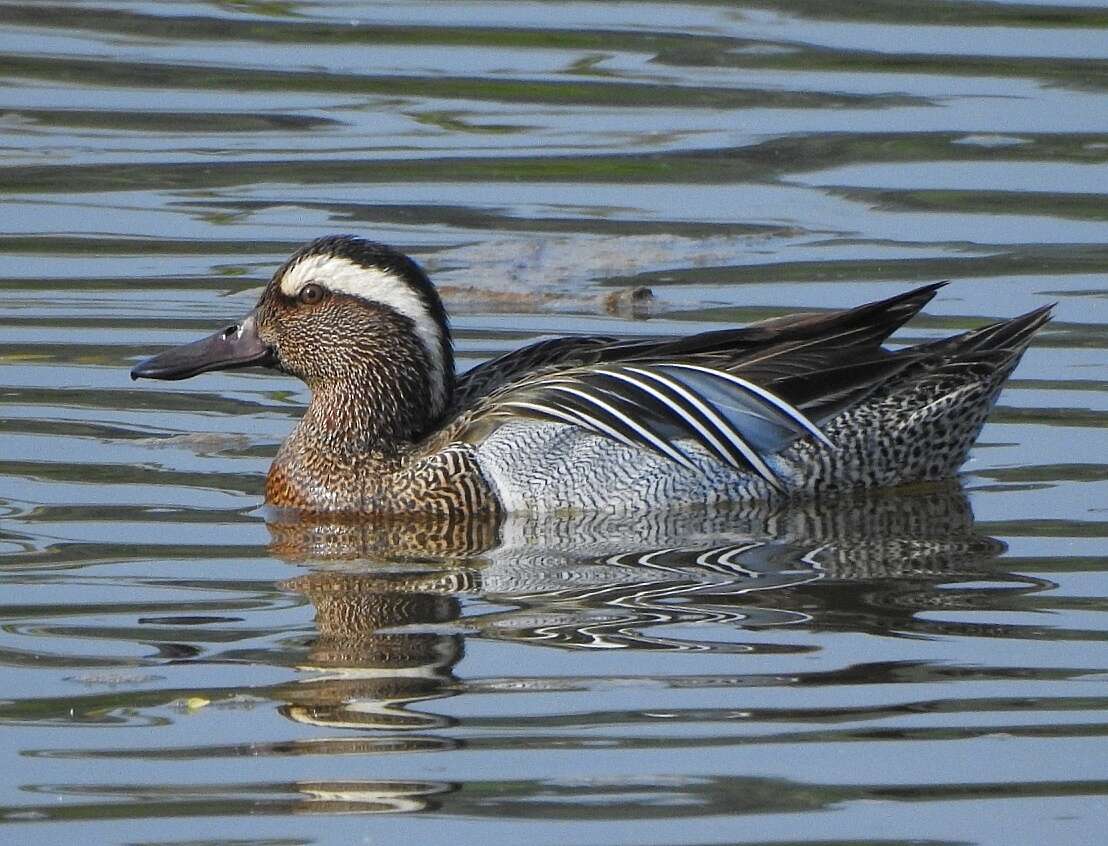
point(347, 438)
point(373, 416)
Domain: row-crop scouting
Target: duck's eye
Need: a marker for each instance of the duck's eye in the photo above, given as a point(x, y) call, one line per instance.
point(311, 294)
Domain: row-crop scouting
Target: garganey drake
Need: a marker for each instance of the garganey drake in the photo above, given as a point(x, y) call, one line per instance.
point(788, 407)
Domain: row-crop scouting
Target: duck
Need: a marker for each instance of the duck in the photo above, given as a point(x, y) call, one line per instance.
point(786, 408)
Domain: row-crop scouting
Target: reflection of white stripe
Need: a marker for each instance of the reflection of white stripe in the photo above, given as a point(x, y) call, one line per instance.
point(339, 274)
point(787, 410)
point(746, 450)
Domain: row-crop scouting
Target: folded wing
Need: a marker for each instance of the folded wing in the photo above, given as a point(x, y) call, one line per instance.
point(664, 407)
point(738, 395)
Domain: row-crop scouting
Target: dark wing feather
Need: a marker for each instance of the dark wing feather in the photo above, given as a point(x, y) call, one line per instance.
point(832, 333)
point(836, 385)
point(548, 353)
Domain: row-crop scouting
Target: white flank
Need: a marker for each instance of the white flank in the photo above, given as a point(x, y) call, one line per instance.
point(341, 275)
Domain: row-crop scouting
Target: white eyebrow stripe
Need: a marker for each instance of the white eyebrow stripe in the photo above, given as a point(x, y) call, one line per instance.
point(341, 275)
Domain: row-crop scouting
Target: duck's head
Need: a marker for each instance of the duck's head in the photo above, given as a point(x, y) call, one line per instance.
point(344, 315)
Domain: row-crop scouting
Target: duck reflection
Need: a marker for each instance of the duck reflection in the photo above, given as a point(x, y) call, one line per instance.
point(367, 674)
point(388, 595)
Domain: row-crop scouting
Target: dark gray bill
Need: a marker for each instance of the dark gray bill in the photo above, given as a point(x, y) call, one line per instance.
point(235, 346)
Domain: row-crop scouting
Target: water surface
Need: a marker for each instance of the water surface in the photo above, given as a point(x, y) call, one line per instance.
point(919, 666)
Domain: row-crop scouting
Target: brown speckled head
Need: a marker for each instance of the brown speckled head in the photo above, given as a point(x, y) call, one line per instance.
point(361, 323)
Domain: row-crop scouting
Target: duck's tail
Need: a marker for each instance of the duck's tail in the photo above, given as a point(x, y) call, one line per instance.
point(1007, 336)
point(923, 422)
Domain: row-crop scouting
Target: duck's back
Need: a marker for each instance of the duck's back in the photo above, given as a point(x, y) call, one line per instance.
point(918, 424)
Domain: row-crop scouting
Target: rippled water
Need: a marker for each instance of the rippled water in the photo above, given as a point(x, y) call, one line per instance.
point(923, 666)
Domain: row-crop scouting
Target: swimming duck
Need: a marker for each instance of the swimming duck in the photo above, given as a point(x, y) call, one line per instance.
point(788, 407)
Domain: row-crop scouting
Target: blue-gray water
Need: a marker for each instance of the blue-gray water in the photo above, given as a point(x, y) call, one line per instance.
point(924, 667)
